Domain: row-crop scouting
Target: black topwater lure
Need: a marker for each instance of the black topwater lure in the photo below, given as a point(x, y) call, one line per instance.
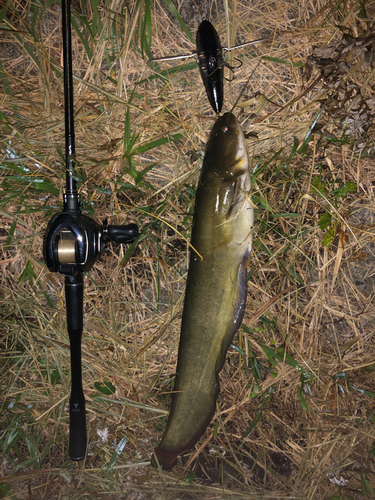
point(211, 64)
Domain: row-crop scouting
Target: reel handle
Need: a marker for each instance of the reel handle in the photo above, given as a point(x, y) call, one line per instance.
point(121, 234)
point(77, 411)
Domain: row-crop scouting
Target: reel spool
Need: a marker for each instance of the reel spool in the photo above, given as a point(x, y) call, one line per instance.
point(66, 248)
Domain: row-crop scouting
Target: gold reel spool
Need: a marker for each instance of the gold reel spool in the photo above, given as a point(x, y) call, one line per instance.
point(66, 250)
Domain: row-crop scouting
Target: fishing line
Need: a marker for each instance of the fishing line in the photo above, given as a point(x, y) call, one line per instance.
point(243, 88)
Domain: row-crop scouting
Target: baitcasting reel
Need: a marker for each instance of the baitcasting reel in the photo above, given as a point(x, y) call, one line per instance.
point(74, 242)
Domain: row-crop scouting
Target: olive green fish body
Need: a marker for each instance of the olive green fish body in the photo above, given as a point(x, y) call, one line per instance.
point(216, 288)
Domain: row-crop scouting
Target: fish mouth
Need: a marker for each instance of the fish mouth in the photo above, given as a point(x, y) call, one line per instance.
point(230, 119)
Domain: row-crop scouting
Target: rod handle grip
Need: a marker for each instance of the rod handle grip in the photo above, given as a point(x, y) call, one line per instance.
point(77, 432)
point(77, 410)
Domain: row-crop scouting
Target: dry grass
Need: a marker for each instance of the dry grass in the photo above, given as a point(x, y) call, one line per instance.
point(302, 366)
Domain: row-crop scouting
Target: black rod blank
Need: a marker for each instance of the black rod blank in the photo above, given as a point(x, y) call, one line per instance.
point(71, 196)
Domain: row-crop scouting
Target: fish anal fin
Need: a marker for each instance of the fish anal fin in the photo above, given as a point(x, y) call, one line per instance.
point(245, 259)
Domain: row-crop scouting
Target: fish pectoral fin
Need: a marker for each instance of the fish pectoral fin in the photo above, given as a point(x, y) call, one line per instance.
point(234, 194)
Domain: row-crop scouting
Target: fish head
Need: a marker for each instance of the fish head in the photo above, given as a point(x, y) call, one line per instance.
point(226, 148)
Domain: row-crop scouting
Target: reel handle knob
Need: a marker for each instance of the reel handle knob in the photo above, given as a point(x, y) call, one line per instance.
point(122, 234)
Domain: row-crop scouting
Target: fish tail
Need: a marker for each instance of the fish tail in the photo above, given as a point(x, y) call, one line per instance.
point(163, 457)
point(166, 453)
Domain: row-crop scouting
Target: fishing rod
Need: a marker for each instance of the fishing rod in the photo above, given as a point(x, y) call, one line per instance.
point(73, 242)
